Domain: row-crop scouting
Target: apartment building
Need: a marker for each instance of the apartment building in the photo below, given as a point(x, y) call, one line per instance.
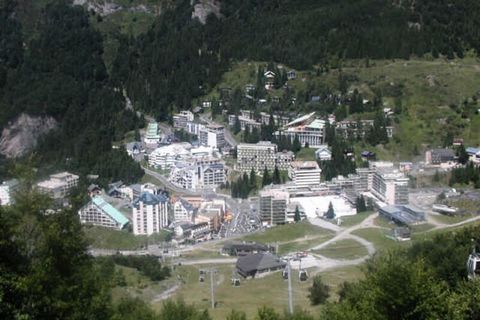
point(59, 184)
point(273, 206)
point(152, 134)
point(304, 173)
point(164, 157)
point(212, 136)
point(308, 129)
point(98, 212)
point(200, 174)
point(150, 213)
point(390, 186)
point(262, 155)
point(183, 211)
point(181, 119)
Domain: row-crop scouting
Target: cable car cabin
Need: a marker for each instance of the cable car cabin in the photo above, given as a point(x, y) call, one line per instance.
point(473, 266)
point(201, 279)
point(285, 274)
point(235, 282)
point(303, 275)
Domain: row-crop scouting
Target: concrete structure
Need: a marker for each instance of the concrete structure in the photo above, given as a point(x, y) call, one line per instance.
point(273, 206)
point(439, 156)
point(323, 153)
point(304, 173)
point(150, 213)
point(262, 155)
point(183, 211)
point(98, 212)
point(164, 157)
point(7, 190)
point(152, 134)
point(308, 129)
point(198, 175)
point(181, 119)
point(406, 215)
point(390, 186)
point(212, 136)
point(59, 184)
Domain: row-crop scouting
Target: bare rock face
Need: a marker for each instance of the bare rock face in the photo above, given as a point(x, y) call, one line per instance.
point(21, 135)
point(205, 7)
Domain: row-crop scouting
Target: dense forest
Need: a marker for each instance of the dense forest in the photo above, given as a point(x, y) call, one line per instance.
point(60, 73)
point(47, 273)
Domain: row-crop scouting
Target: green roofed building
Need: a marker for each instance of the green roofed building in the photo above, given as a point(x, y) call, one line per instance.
point(98, 212)
point(152, 134)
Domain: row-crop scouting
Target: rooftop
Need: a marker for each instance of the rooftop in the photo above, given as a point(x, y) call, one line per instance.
point(110, 211)
point(150, 199)
point(258, 261)
point(305, 165)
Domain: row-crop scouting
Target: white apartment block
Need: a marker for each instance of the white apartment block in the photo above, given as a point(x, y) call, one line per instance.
point(98, 212)
point(164, 157)
point(304, 173)
point(212, 136)
point(181, 119)
point(308, 129)
point(390, 186)
point(273, 206)
point(7, 189)
point(183, 211)
point(201, 174)
point(262, 155)
point(150, 214)
point(59, 184)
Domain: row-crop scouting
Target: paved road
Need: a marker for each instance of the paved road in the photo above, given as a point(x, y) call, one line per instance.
point(170, 185)
point(228, 135)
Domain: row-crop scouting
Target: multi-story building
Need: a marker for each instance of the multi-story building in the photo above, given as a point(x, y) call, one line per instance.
point(365, 178)
point(181, 119)
point(152, 134)
point(198, 175)
point(305, 173)
point(7, 190)
point(273, 206)
point(390, 186)
point(308, 129)
point(439, 156)
point(164, 157)
point(98, 212)
point(59, 184)
point(183, 211)
point(262, 155)
point(150, 213)
point(212, 136)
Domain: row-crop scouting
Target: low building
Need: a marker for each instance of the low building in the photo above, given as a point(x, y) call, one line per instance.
point(152, 134)
point(7, 191)
point(304, 173)
point(323, 153)
point(98, 212)
point(134, 148)
point(244, 248)
point(59, 185)
point(150, 213)
point(258, 264)
point(405, 215)
point(439, 156)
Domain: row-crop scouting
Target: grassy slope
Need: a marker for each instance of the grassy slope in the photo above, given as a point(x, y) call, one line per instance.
point(429, 87)
point(119, 240)
point(344, 249)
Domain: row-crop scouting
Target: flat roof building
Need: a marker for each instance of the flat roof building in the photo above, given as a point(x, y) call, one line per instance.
point(273, 206)
point(152, 134)
point(212, 136)
point(7, 190)
point(262, 155)
point(59, 184)
point(304, 173)
point(390, 186)
point(150, 213)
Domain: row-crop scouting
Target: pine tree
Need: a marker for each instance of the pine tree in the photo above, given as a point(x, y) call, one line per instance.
point(266, 178)
point(236, 126)
point(253, 179)
point(297, 217)
point(296, 146)
point(330, 214)
point(276, 179)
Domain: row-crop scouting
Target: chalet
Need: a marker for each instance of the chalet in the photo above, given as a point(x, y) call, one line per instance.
point(269, 80)
point(291, 75)
point(323, 153)
point(258, 264)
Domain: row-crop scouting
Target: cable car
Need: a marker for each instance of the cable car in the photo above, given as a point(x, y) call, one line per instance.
point(285, 274)
point(473, 266)
point(303, 275)
point(235, 282)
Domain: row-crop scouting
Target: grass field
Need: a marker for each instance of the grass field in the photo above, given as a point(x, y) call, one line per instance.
point(378, 238)
point(306, 154)
point(349, 221)
point(344, 249)
point(103, 238)
point(452, 219)
point(287, 233)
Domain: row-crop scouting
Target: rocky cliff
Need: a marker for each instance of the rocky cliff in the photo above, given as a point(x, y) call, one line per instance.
point(21, 136)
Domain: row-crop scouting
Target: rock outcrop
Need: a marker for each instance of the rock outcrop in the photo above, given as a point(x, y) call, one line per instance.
point(205, 7)
point(21, 135)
